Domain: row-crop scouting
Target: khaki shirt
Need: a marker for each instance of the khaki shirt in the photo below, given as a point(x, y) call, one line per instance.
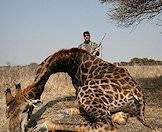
point(90, 47)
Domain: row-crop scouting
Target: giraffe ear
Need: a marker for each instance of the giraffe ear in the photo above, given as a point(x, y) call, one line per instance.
point(8, 90)
point(18, 86)
point(18, 92)
point(9, 96)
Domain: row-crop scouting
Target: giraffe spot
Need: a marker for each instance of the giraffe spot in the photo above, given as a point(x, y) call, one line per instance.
point(96, 61)
point(139, 94)
point(114, 81)
point(96, 72)
point(87, 102)
point(122, 81)
point(86, 57)
point(109, 76)
point(121, 96)
point(111, 66)
point(127, 79)
point(116, 96)
point(84, 88)
point(86, 96)
point(131, 83)
point(84, 77)
point(94, 103)
point(86, 83)
point(116, 88)
point(81, 94)
point(94, 87)
point(94, 109)
point(115, 73)
point(123, 74)
point(105, 86)
point(123, 103)
point(90, 75)
point(110, 98)
point(116, 69)
point(84, 69)
point(122, 70)
point(116, 76)
point(120, 100)
point(105, 65)
point(104, 108)
point(92, 83)
point(98, 76)
point(104, 81)
point(82, 100)
point(109, 92)
point(98, 91)
point(127, 87)
point(115, 102)
point(100, 64)
point(100, 104)
point(104, 100)
point(125, 100)
point(97, 82)
point(99, 94)
point(88, 64)
point(102, 72)
point(88, 92)
point(125, 92)
point(93, 68)
point(92, 95)
point(100, 111)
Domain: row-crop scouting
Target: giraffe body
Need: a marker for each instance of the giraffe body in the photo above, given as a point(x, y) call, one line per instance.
point(102, 89)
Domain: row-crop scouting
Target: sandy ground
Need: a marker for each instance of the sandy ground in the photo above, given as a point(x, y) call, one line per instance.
point(59, 95)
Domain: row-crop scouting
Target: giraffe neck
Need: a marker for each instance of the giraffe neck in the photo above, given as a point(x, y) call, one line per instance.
point(69, 61)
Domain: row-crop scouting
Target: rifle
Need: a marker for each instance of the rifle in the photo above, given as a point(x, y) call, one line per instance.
point(95, 50)
point(102, 40)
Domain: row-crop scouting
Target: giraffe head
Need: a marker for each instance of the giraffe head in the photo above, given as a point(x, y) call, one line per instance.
point(18, 110)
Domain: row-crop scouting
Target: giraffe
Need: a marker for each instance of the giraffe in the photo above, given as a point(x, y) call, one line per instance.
point(102, 89)
point(18, 110)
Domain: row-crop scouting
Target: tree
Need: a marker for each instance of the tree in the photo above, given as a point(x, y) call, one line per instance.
point(129, 12)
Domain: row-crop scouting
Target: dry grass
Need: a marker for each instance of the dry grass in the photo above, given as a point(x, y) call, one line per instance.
point(60, 85)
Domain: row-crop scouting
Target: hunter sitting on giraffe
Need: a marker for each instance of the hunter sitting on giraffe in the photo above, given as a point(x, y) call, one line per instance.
point(102, 89)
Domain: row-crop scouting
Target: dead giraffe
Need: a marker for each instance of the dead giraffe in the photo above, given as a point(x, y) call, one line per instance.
point(102, 89)
point(18, 110)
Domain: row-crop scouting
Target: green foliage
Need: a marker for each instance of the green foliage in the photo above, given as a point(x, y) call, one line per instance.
point(141, 61)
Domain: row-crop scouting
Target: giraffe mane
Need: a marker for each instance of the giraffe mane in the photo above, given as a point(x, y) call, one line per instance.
point(64, 52)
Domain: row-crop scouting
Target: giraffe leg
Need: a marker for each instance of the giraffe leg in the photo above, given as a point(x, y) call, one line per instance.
point(104, 123)
point(141, 117)
point(141, 114)
point(99, 119)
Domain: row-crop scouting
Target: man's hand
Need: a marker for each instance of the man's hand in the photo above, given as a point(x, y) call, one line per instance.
point(96, 51)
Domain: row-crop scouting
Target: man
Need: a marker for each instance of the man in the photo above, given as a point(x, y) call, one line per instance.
point(88, 45)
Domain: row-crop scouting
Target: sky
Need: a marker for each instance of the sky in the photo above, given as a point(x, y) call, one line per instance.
point(31, 30)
